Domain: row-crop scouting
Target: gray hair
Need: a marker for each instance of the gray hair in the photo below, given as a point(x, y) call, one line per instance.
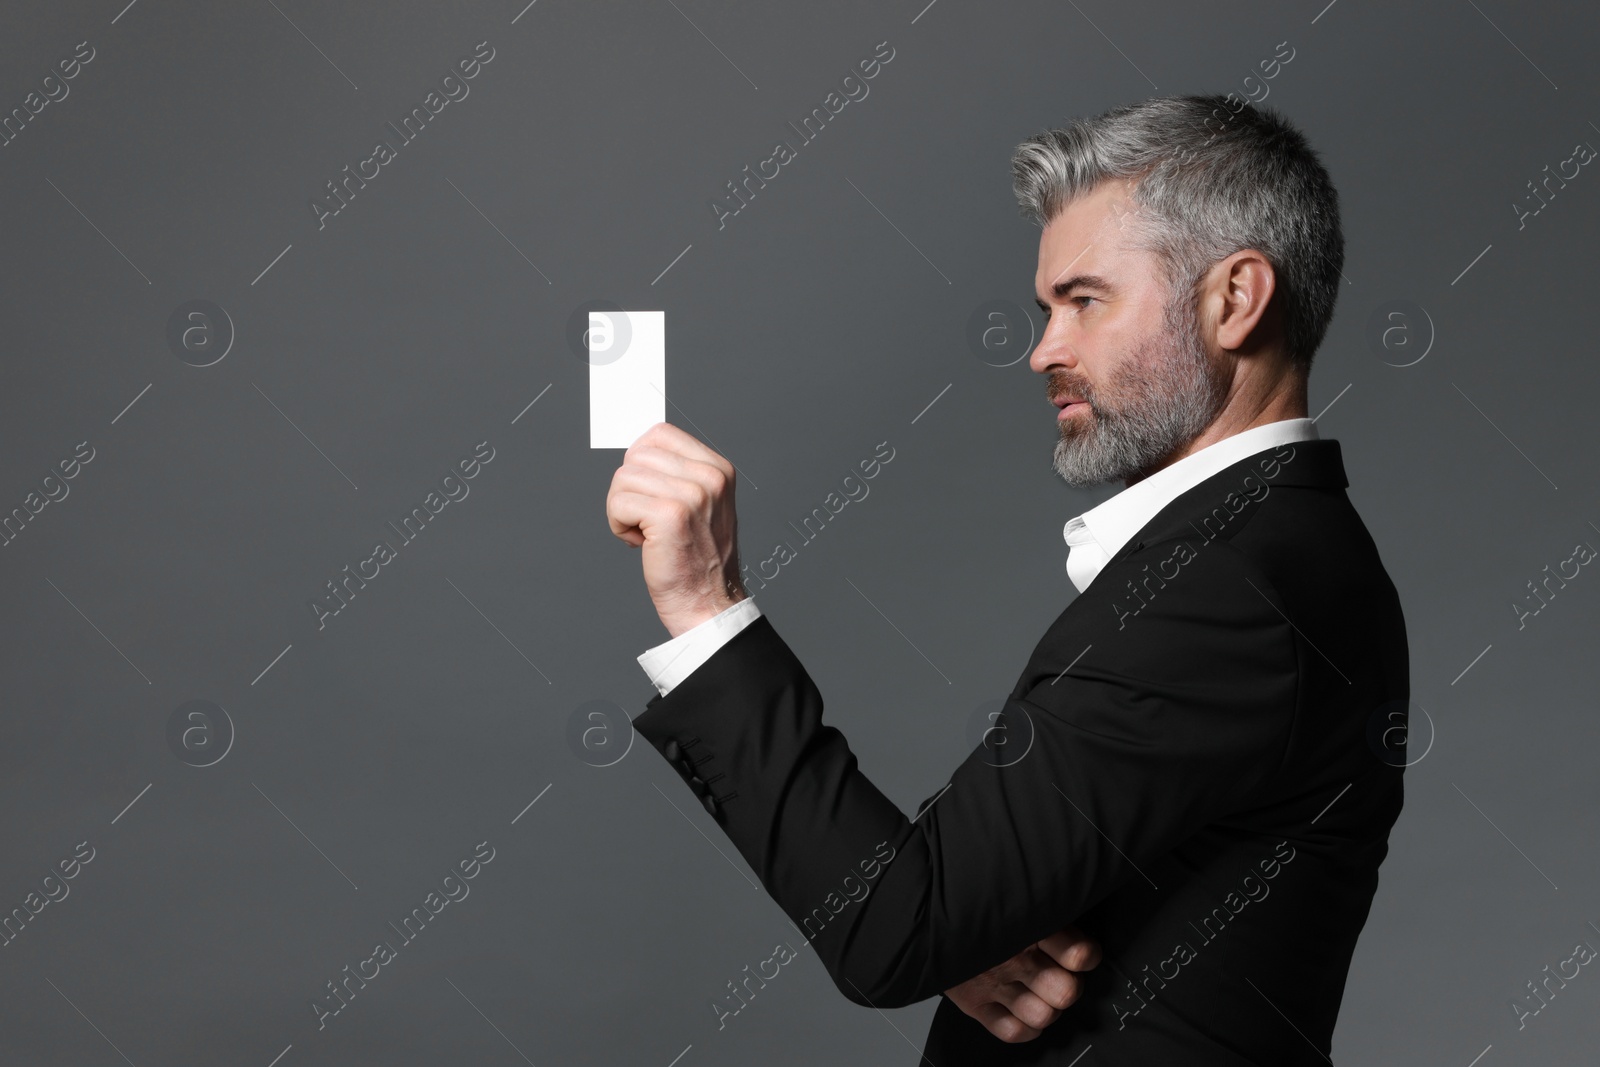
point(1209, 180)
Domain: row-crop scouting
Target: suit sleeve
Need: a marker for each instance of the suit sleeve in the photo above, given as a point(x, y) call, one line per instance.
point(1169, 720)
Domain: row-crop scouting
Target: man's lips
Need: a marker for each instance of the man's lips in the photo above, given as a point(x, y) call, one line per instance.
point(1067, 404)
point(1067, 411)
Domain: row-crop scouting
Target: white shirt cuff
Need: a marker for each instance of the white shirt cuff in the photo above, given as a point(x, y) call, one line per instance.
point(670, 663)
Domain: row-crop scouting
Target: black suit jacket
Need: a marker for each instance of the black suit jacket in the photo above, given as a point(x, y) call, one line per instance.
point(1214, 750)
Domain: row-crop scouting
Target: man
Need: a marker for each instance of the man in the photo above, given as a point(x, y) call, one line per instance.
point(1212, 770)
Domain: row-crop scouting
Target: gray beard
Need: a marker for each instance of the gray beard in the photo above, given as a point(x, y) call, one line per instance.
point(1161, 404)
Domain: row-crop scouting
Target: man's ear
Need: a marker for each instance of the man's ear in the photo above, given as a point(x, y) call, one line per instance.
point(1243, 283)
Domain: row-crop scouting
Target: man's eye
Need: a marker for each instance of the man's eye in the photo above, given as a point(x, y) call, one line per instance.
point(1083, 298)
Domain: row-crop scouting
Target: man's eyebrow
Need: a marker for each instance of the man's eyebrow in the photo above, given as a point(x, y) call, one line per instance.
point(1062, 288)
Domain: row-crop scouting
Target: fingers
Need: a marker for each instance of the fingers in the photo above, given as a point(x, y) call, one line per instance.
point(667, 438)
point(625, 514)
point(660, 485)
point(1029, 1007)
point(1004, 1025)
point(666, 476)
point(644, 496)
point(670, 461)
point(1017, 999)
point(667, 473)
point(1072, 949)
point(988, 1000)
point(1009, 1011)
point(1039, 976)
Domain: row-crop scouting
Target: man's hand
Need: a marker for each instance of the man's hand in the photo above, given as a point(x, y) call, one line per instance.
point(1017, 999)
point(673, 497)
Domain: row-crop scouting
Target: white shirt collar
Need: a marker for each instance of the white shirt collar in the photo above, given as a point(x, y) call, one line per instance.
point(1099, 533)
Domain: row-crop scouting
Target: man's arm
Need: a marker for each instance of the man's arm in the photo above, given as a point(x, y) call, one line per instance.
point(672, 661)
point(1153, 730)
point(1164, 725)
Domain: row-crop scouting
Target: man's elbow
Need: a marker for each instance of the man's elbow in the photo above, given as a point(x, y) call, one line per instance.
point(877, 986)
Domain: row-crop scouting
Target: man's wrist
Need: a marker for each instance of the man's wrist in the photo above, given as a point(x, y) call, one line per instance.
point(672, 661)
point(678, 623)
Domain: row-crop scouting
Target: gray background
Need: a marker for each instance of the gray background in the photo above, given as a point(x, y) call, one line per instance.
point(822, 320)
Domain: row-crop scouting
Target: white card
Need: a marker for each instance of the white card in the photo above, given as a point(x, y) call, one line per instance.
point(627, 375)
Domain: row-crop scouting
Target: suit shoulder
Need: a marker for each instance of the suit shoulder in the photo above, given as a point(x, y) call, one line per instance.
point(1182, 608)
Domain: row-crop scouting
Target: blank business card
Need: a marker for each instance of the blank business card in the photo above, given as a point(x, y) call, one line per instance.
point(627, 375)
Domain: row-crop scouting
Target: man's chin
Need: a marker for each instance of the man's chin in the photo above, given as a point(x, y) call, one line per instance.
point(1076, 470)
point(1081, 481)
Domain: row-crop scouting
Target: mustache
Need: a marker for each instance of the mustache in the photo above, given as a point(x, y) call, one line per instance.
point(1068, 385)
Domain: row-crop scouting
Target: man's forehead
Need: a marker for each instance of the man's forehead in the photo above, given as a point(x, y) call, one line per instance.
point(1106, 210)
point(1090, 229)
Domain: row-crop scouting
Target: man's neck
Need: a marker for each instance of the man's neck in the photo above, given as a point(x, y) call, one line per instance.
point(1235, 418)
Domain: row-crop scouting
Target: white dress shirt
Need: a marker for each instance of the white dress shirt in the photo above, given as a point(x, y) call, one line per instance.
point(1092, 539)
point(1097, 535)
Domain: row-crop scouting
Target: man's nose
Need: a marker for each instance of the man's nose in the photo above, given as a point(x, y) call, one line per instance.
point(1050, 353)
